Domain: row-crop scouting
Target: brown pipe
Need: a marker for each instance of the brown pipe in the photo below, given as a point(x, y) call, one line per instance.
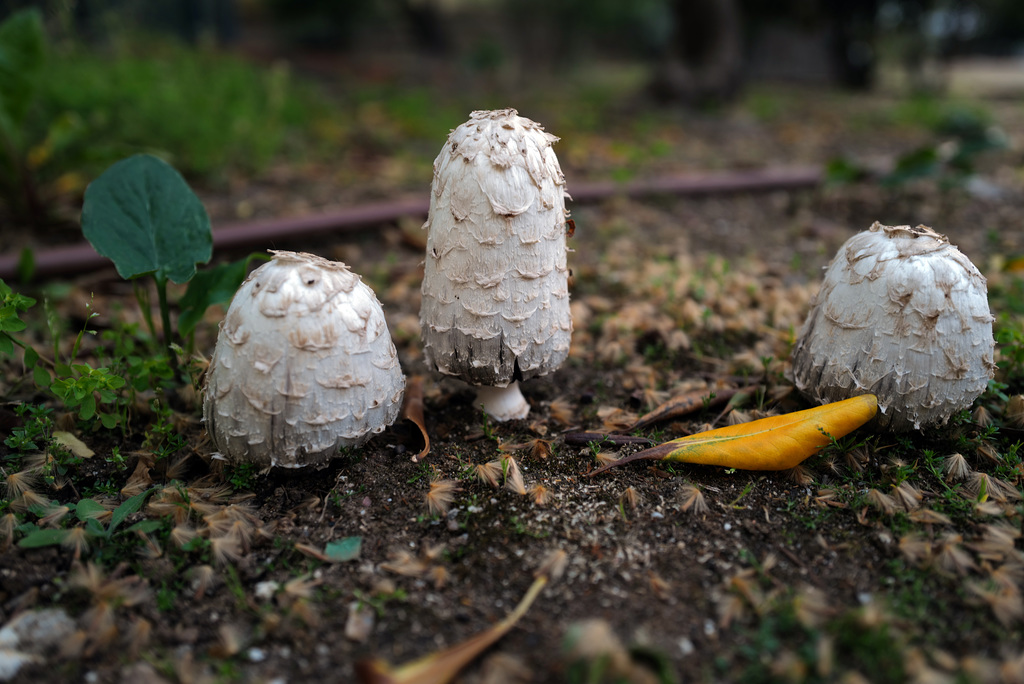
point(79, 258)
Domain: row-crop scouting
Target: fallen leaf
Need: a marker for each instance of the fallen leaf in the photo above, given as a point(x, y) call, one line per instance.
point(441, 667)
point(361, 618)
point(341, 550)
point(338, 551)
point(72, 444)
point(412, 410)
point(775, 443)
point(140, 479)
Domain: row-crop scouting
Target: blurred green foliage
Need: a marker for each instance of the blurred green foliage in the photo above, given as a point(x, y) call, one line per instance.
point(205, 112)
point(959, 135)
point(67, 112)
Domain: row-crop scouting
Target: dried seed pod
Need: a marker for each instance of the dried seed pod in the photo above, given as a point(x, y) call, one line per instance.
point(904, 315)
point(495, 286)
point(304, 365)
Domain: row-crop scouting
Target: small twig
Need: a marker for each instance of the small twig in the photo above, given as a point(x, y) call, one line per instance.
point(684, 405)
point(587, 438)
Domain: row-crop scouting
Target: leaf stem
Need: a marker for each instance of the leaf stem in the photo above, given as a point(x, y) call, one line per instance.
point(24, 346)
point(165, 320)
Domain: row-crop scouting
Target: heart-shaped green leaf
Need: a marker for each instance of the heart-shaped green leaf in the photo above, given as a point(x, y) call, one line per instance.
point(142, 215)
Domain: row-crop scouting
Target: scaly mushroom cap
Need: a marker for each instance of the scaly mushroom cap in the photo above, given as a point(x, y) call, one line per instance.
point(904, 315)
point(304, 365)
point(495, 286)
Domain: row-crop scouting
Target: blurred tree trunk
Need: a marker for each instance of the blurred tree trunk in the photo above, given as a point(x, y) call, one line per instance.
point(704, 59)
point(426, 25)
point(854, 54)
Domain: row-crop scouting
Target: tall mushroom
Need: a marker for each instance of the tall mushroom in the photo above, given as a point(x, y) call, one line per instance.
point(495, 306)
point(904, 315)
point(304, 365)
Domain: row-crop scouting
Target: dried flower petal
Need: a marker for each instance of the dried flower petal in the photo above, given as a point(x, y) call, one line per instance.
point(440, 496)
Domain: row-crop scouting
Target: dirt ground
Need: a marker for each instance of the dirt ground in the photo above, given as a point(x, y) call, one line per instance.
point(704, 574)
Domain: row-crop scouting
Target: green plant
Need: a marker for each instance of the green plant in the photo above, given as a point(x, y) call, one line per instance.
point(212, 286)
point(79, 386)
point(35, 433)
point(88, 512)
point(142, 215)
point(242, 475)
point(12, 305)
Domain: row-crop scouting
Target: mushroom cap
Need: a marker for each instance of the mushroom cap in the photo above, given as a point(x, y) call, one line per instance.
point(904, 315)
point(304, 365)
point(495, 302)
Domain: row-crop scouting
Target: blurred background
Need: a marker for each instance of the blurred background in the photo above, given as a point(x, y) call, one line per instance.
point(274, 107)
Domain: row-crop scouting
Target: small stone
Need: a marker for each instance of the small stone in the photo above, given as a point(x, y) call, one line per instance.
point(11, 661)
point(37, 631)
point(266, 590)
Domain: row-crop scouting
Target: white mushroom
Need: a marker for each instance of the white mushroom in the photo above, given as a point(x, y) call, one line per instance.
point(904, 315)
point(495, 306)
point(304, 365)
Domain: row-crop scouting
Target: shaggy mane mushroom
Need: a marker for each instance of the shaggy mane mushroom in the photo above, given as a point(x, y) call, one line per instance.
point(495, 306)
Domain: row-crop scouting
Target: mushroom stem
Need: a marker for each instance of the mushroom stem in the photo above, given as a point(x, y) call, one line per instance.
point(503, 403)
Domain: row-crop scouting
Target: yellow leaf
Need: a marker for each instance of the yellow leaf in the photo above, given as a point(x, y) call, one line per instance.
point(72, 444)
point(775, 443)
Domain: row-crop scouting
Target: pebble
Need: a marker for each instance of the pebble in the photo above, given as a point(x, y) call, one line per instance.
point(37, 630)
point(27, 636)
point(11, 661)
point(266, 590)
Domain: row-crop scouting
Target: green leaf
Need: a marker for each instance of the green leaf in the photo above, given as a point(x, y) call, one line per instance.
point(31, 357)
point(9, 320)
point(213, 286)
point(40, 538)
point(87, 509)
point(127, 507)
point(842, 171)
point(6, 345)
point(109, 420)
point(41, 376)
point(344, 549)
point(22, 52)
point(141, 214)
point(88, 407)
point(145, 526)
point(920, 163)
